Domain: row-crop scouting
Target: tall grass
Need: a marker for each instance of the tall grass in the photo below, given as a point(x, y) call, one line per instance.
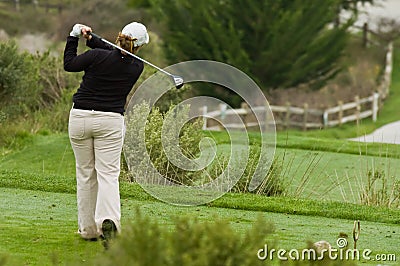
point(379, 191)
point(375, 182)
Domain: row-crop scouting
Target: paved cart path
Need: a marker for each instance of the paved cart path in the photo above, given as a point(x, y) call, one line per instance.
point(389, 133)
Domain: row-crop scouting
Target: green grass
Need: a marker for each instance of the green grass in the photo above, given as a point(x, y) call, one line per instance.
point(48, 169)
point(49, 160)
point(46, 232)
point(290, 140)
point(43, 154)
point(309, 207)
point(40, 178)
point(38, 228)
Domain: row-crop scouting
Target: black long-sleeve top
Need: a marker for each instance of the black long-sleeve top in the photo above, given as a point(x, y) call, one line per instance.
point(109, 75)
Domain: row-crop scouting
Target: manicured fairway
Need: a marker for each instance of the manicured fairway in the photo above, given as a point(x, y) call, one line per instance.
point(38, 203)
point(39, 227)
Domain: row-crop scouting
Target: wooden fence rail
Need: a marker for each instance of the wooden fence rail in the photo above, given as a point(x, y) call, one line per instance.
point(304, 117)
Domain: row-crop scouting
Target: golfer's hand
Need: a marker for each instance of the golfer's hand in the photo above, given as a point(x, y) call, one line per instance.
point(86, 30)
point(80, 29)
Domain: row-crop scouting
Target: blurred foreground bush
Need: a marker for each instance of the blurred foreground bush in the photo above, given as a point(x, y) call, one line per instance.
point(202, 243)
point(190, 242)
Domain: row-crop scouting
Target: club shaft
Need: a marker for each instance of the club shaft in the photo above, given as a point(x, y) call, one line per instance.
point(135, 56)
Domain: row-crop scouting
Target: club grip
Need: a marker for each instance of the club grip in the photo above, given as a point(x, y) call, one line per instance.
point(94, 35)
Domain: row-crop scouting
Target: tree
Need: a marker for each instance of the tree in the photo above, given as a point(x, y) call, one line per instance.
point(279, 43)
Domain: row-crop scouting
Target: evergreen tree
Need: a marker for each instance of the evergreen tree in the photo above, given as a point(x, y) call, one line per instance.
point(279, 43)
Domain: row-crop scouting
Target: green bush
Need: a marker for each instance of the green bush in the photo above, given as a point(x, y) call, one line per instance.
point(35, 94)
point(190, 242)
point(189, 138)
point(15, 72)
point(3, 117)
point(30, 82)
point(200, 243)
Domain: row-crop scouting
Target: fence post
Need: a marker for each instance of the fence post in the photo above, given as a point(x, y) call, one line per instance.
point(268, 116)
point(35, 3)
point(245, 106)
point(375, 106)
point(17, 6)
point(358, 108)
point(222, 110)
point(204, 111)
point(365, 35)
point(381, 93)
point(287, 117)
point(388, 68)
point(340, 103)
point(325, 118)
point(305, 116)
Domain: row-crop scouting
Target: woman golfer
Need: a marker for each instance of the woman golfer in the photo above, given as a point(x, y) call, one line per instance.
point(96, 123)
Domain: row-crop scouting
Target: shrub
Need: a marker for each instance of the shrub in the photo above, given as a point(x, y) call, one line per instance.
point(194, 242)
point(190, 242)
point(189, 138)
point(30, 82)
point(35, 94)
point(15, 72)
point(3, 117)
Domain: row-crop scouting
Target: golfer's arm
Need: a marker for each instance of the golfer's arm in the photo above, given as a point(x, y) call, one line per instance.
point(72, 61)
point(96, 42)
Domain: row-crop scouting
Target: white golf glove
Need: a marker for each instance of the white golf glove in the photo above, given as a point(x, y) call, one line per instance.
point(77, 30)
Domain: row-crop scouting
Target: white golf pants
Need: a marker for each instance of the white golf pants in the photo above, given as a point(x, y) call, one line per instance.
point(96, 138)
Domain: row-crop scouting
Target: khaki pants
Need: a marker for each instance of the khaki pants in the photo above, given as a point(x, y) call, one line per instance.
point(96, 139)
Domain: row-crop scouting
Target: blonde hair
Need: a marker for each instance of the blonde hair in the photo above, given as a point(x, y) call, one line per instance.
point(126, 42)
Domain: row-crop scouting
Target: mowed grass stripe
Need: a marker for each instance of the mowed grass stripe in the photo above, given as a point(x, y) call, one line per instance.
point(242, 201)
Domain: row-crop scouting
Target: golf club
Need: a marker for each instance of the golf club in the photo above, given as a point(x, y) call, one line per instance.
point(178, 81)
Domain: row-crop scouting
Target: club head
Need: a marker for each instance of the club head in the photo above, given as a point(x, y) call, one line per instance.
point(178, 81)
